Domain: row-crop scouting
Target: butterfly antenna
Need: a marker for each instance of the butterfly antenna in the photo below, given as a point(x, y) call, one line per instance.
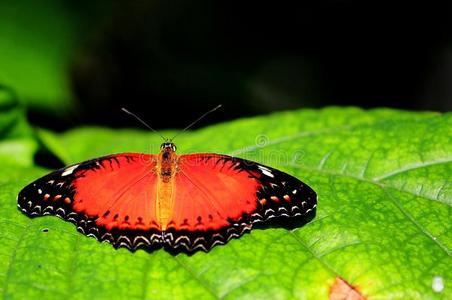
point(196, 121)
point(142, 122)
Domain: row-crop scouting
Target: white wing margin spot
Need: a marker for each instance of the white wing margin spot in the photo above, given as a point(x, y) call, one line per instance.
point(69, 170)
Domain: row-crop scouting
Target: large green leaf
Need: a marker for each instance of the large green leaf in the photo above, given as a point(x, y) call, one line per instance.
point(382, 223)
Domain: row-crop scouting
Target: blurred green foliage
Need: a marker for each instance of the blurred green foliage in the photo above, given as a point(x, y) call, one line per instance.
point(78, 62)
point(37, 39)
point(17, 142)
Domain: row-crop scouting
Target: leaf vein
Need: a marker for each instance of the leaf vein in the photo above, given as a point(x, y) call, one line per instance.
point(204, 283)
point(13, 258)
point(413, 166)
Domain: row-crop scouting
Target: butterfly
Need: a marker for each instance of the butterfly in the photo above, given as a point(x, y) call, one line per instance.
point(181, 202)
point(192, 201)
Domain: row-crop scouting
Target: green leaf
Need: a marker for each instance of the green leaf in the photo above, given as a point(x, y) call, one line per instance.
point(17, 142)
point(382, 223)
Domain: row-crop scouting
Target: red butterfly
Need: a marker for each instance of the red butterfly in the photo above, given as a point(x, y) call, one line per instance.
point(181, 202)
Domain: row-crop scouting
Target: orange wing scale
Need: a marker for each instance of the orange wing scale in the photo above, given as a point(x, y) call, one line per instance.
point(120, 193)
point(209, 194)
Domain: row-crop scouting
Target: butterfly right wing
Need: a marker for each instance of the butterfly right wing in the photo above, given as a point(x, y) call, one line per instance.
point(219, 197)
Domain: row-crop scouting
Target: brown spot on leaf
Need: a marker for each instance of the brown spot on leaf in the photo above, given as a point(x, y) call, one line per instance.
point(342, 290)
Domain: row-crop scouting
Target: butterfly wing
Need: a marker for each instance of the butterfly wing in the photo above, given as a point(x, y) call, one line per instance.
point(219, 197)
point(110, 198)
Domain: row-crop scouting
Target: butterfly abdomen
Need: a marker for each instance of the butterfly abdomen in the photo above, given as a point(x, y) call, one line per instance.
point(166, 169)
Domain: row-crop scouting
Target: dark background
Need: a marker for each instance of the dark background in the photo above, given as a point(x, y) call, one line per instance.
point(170, 61)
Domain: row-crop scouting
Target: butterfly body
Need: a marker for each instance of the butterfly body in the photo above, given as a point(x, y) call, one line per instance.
point(166, 170)
point(186, 202)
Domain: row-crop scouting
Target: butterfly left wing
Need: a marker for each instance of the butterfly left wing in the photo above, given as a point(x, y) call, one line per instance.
point(219, 197)
point(111, 198)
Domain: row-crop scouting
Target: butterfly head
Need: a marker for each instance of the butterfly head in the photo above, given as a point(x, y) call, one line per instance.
point(168, 146)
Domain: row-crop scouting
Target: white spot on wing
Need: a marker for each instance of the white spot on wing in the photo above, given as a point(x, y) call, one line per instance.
point(263, 168)
point(69, 170)
point(268, 173)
